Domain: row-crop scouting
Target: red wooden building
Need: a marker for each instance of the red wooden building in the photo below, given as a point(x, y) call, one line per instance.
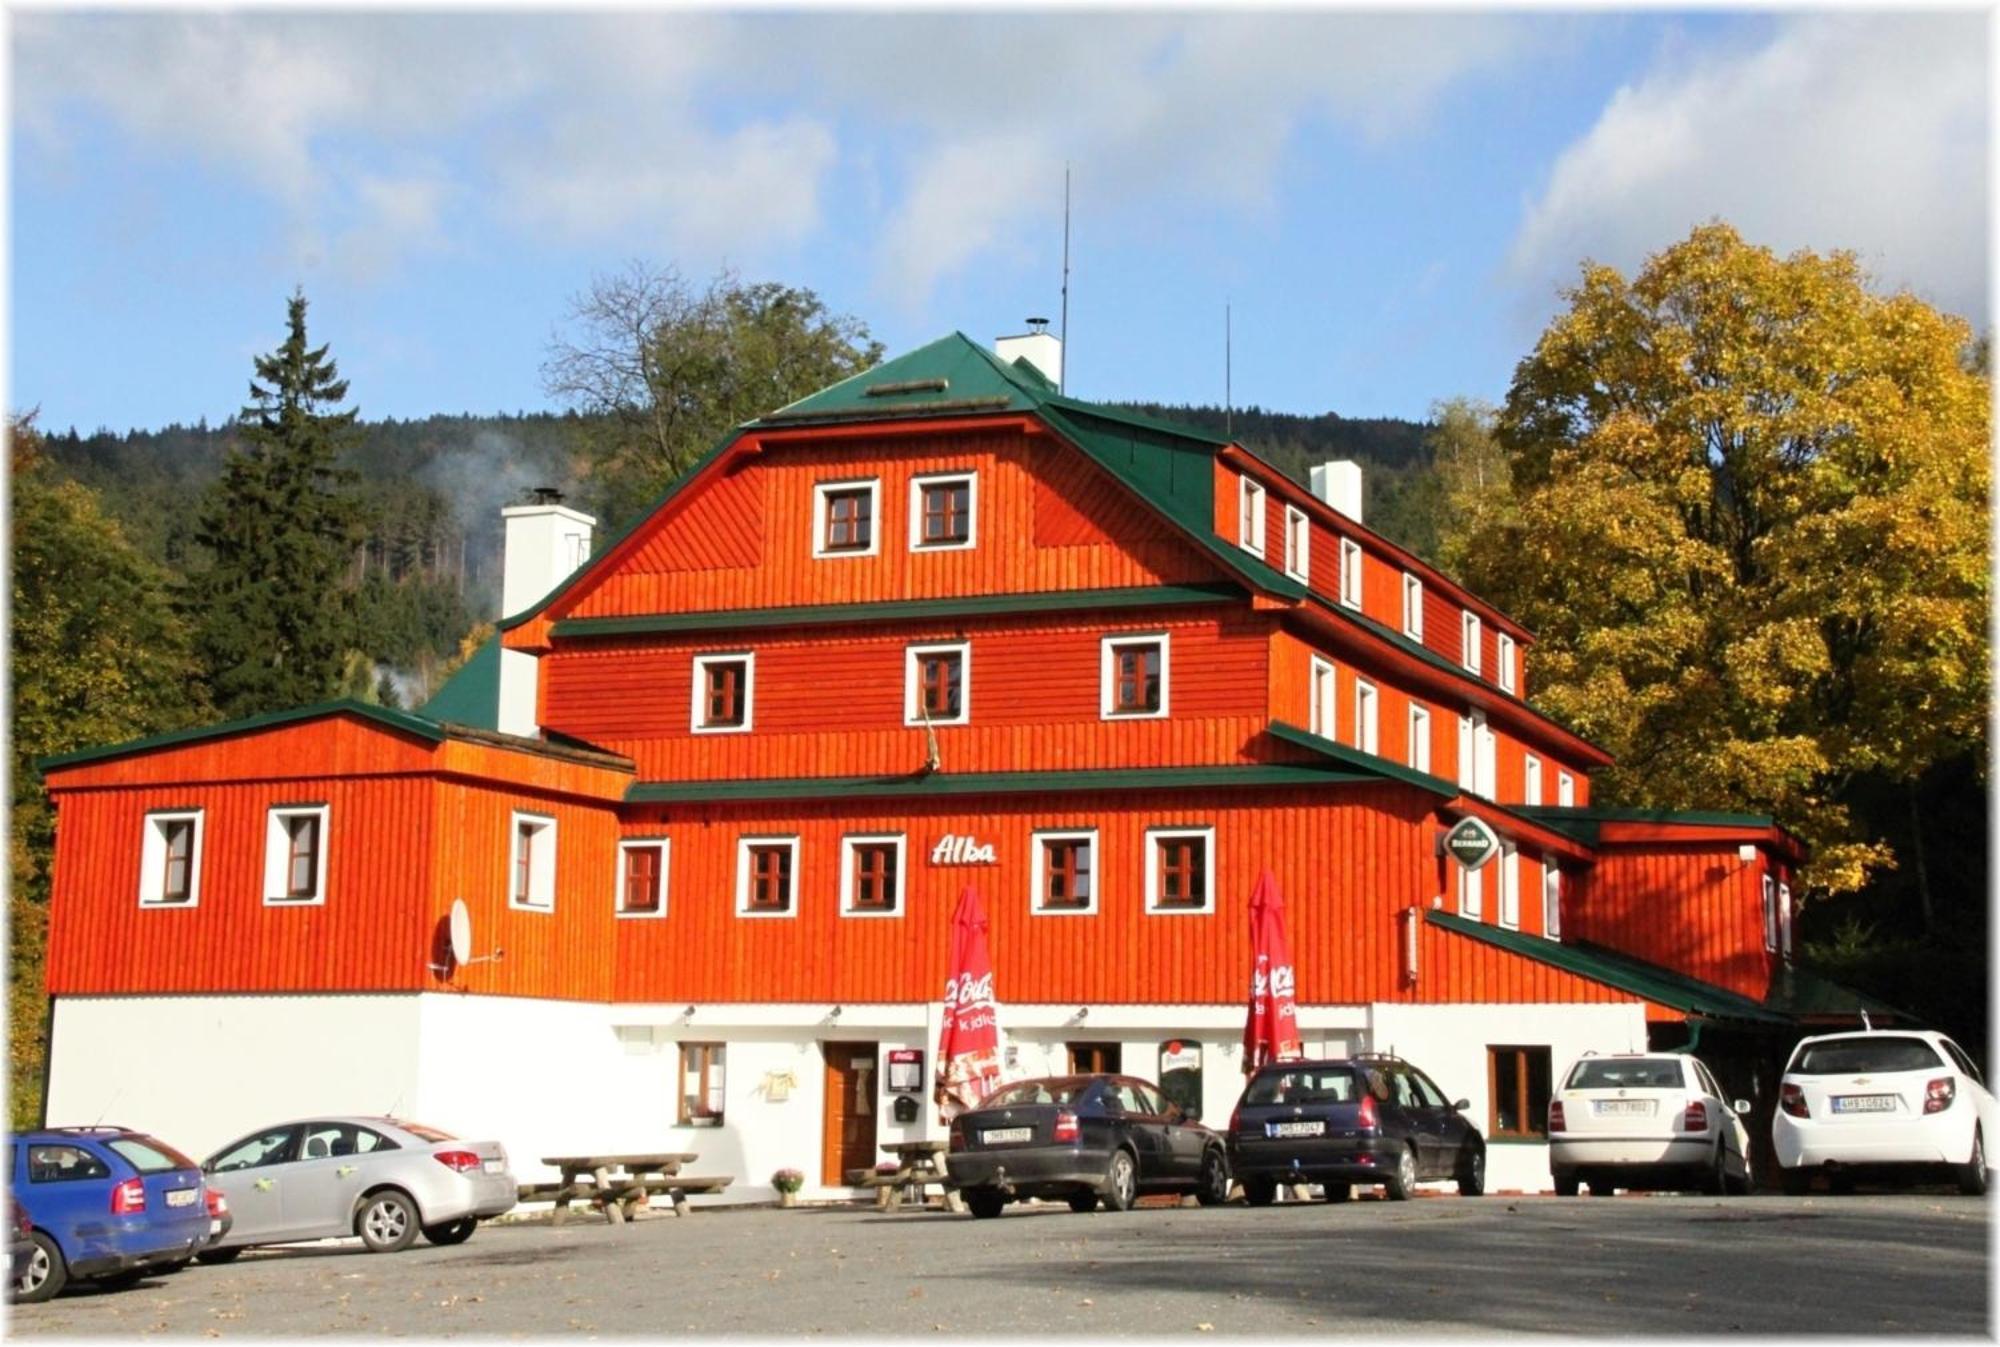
point(710, 798)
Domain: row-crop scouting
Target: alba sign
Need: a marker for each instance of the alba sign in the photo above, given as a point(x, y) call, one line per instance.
point(1471, 843)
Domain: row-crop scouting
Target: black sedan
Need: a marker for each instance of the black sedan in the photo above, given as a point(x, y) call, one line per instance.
point(1369, 1119)
point(1085, 1139)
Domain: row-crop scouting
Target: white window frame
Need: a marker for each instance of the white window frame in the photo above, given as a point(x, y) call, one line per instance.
point(1531, 780)
point(698, 697)
point(153, 858)
point(1510, 887)
point(1472, 893)
point(1504, 656)
point(1784, 919)
point(541, 861)
point(917, 485)
point(1413, 607)
point(1298, 544)
point(1367, 717)
point(1551, 899)
point(850, 843)
point(1420, 737)
point(821, 490)
point(913, 687)
point(1323, 694)
point(1037, 846)
point(1350, 573)
point(1154, 836)
point(1108, 674)
point(662, 845)
point(1251, 509)
point(1469, 637)
point(743, 845)
point(278, 855)
point(1468, 763)
point(1565, 790)
point(1771, 914)
point(1485, 758)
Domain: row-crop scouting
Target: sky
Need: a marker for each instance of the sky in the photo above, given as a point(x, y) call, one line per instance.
point(1386, 203)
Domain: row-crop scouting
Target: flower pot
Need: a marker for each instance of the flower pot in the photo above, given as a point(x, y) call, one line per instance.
point(788, 1199)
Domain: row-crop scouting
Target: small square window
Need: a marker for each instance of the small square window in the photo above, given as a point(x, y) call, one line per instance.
point(295, 855)
point(702, 1081)
point(1065, 879)
point(170, 859)
point(1180, 869)
point(1298, 544)
point(1469, 640)
point(1134, 676)
point(766, 873)
point(871, 875)
point(722, 692)
point(1325, 718)
point(943, 512)
point(1350, 573)
point(1413, 607)
point(1250, 515)
point(531, 869)
point(844, 518)
point(935, 689)
point(642, 877)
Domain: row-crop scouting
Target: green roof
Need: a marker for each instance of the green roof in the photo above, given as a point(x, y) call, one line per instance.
point(1584, 822)
point(951, 374)
point(983, 605)
point(1662, 986)
point(981, 783)
point(1366, 762)
point(472, 695)
point(405, 721)
point(1798, 990)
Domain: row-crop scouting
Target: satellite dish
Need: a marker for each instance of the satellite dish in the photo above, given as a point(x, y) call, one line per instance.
point(461, 932)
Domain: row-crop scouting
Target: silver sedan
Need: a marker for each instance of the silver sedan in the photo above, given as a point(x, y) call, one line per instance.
point(383, 1179)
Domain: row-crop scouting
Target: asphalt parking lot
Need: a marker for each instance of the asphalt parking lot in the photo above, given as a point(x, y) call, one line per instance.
point(1874, 1264)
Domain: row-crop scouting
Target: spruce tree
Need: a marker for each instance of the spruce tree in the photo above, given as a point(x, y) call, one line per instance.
point(271, 615)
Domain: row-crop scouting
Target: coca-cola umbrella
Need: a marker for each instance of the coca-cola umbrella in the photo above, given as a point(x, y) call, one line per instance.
point(1272, 1031)
point(969, 1046)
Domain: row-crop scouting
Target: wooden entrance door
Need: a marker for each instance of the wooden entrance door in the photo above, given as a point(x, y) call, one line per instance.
point(848, 1141)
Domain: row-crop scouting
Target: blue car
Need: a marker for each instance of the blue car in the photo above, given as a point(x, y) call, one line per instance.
point(108, 1204)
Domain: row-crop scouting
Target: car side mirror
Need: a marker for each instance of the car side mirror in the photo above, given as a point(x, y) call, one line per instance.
point(1742, 1106)
point(1460, 1105)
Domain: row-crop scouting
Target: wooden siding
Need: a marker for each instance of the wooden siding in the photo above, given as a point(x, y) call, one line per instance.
point(338, 745)
point(1697, 909)
point(1452, 968)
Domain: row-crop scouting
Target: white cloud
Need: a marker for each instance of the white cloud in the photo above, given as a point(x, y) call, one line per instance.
point(1850, 131)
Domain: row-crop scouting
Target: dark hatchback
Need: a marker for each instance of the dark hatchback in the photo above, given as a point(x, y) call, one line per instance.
point(1369, 1119)
point(1084, 1139)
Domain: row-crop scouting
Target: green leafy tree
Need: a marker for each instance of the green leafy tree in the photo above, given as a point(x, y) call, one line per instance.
point(271, 614)
point(670, 369)
point(99, 655)
point(1750, 530)
point(1472, 486)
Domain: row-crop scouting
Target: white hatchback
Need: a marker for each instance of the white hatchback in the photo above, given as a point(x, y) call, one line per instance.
point(1880, 1098)
point(1646, 1120)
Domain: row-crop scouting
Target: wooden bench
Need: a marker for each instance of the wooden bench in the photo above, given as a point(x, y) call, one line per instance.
point(618, 1185)
point(919, 1168)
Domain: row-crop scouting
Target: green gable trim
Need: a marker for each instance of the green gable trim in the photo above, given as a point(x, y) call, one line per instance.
point(1366, 762)
point(1662, 986)
point(981, 783)
point(472, 695)
point(848, 614)
point(405, 721)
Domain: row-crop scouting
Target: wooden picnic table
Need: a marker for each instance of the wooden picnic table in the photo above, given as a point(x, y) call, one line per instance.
point(620, 1184)
point(918, 1163)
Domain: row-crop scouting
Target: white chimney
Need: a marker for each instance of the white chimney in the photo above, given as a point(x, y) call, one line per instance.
point(1042, 349)
point(545, 543)
point(1339, 485)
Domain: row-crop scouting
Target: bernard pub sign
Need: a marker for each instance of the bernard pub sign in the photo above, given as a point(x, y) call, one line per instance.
point(1471, 842)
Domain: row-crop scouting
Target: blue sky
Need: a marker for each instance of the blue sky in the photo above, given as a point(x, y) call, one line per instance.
point(1388, 201)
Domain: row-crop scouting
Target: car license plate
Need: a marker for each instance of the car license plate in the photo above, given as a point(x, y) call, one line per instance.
point(214, 1228)
point(1864, 1103)
point(495, 1166)
point(1295, 1129)
point(995, 1135)
point(183, 1197)
point(1640, 1107)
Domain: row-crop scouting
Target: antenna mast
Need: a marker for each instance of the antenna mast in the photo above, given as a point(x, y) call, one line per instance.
point(1062, 375)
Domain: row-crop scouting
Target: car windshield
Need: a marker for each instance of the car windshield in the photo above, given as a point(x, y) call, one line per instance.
point(1038, 1092)
point(1305, 1085)
point(1852, 1056)
point(1604, 1073)
point(149, 1156)
point(424, 1133)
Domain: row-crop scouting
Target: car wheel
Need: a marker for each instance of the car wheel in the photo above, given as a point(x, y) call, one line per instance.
point(1260, 1192)
point(452, 1232)
point(1121, 1182)
point(45, 1273)
point(1214, 1190)
point(985, 1203)
point(1794, 1182)
point(1565, 1184)
point(1747, 1185)
point(219, 1255)
point(1472, 1172)
point(387, 1222)
point(1082, 1202)
point(1972, 1174)
point(1404, 1181)
point(1602, 1187)
point(1716, 1182)
point(1339, 1192)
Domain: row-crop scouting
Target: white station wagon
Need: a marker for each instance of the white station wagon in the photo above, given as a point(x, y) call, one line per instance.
point(1867, 1101)
point(1646, 1120)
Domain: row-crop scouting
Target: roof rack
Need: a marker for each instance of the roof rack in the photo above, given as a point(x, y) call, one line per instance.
point(1376, 1057)
point(87, 1129)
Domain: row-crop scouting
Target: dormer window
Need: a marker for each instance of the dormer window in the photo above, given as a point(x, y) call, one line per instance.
point(1250, 515)
point(844, 518)
point(942, 510)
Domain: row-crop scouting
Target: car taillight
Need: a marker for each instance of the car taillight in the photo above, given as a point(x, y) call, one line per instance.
point(1236, 1117)
point(217, 1203)
point(1066, 1129)
point(463, 1162)
point(1792, 1100)
point(1939, 1094)
point(128, 1197)
point(1556, 1123)
point(958, 1136)
point(1366, 1118)
point(1695, 1119)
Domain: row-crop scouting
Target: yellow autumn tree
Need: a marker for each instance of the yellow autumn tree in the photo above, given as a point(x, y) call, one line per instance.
point(1750, 529)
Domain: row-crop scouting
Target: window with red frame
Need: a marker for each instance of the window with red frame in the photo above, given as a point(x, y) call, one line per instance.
point(724, 683)
point(1066, 873)
point(875, 876)
point(941, 679)
point(1137, 678)
point(642, 879)
point(947, 510)
point(771, 878)
point(850, 522)
point(1183, 871)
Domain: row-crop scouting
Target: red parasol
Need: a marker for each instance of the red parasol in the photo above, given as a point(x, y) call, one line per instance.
point(969, 1046)
point(1272, 1031)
